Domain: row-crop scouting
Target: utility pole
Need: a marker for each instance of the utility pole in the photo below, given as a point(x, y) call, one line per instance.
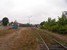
point(29, 19)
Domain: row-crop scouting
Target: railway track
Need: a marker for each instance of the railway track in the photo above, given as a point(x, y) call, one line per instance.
point(43, 45)
point(56, 46)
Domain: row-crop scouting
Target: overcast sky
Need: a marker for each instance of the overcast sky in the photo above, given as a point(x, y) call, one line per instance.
point(36, 10)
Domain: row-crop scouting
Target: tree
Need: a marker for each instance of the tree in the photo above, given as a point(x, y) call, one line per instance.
point(42, 24)
point(62, 20)
point(5, 21)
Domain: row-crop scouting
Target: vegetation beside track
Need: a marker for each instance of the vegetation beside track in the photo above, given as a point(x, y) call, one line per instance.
point(20, 40)
point(59, 26)
point(5, 32)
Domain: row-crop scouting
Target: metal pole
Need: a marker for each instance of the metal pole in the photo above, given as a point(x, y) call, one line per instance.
point(29, 19)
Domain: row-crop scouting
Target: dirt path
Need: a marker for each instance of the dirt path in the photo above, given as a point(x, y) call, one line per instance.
point(17, 41)
point(9, 39)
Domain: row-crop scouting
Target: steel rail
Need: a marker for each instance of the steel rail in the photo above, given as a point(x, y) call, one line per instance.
point(43, 42)
point(60, 44)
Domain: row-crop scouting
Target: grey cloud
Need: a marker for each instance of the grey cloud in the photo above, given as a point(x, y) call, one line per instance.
point(20, 10)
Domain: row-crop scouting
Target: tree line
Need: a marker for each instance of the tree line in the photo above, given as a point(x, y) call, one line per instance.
point(59, 26)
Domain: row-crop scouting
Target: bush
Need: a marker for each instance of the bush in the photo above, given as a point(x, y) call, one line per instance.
point(59, 26)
